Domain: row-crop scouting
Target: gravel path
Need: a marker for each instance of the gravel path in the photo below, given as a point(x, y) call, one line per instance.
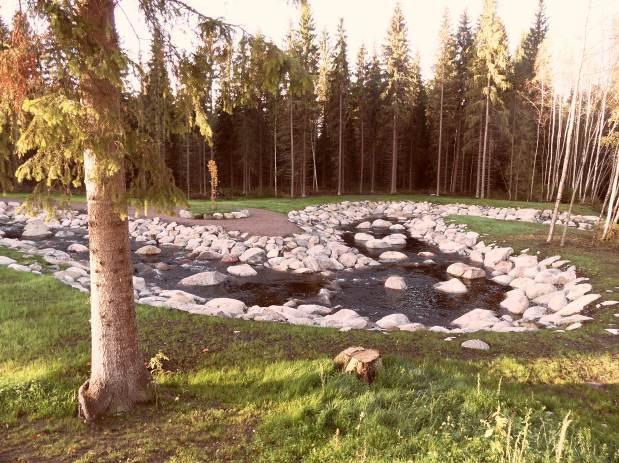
point(260, 222)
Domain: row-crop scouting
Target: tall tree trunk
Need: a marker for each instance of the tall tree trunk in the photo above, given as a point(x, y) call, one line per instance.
point(373, 172)
point(485, 149)
point(275, 155)
point(339, 150)
point(394, 156)
point(539, 123)
point(118, 378)
point(440, 144)
point(291, 151)
point(304, 160)
point(479, 150)
point(362, 160)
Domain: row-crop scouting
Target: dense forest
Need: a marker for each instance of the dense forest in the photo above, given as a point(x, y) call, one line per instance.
point(489, 122)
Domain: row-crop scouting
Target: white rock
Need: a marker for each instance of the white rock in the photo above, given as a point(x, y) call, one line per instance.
point(36, 229)
point(497, 255)
point(76, 247)
point(391, 322)
point(577, 291)
point(457, 269)
point(148, 250)
point(474, 273)
point(6, 260)
point(225, 306)
point(185, 214)
point(534, 313)
point(476, 319)
point(516, 304)
point(412, 327)
point(578, 305)
point(535, 290)
point(315, 309)
point(253, 256)
point(396, 283)
point(475, 344)
point(203, 279)
point(377, 244)
point(380, 223)
point(363, 237)
point(344, 318)
point(242, 270)
point(452, 286)
point(19, 268)
point(392, 256)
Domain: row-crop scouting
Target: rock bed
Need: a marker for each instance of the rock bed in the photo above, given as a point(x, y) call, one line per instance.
point(544, 293)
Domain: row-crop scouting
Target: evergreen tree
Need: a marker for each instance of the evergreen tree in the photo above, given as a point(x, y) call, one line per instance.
point(307, 52)
point(157, 99)
point(465, 52)
point(375, 88)
point(359, 94)
point(323, 98)
point(443, 97)
point(490, 73)
point(339, 84)
point(398, 82)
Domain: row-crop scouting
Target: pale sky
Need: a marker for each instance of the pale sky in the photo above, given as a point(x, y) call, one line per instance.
point(366, 21)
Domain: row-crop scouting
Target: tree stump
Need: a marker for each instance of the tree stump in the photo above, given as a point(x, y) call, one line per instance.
point(365, 363)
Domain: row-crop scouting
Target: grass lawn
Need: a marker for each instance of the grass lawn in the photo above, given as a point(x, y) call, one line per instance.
point(266, 392)
point(286, 204)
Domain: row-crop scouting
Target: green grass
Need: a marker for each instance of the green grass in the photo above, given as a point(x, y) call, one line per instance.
point(245, 391)
point(265, 392)
point(287, 204)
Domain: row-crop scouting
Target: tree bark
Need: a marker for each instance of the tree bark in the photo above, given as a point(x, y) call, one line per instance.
point(440, 146)
point(118, 378)
point(291, 151)
point(483, 161)
point(339, 150)
point(394, 156)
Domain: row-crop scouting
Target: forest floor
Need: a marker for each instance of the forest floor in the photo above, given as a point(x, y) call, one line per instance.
point(247, 391)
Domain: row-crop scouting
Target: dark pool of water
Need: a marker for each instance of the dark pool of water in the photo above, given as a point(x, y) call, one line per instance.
point(360, 290)
point(364, 290)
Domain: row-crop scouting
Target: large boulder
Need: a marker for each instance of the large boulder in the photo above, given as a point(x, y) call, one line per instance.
point(578, 305)
point(396, 283)
point(476, 344)
point(78, 248)
point(242, 270)
point(36, 229)
point(204, 279)
point(452, 286)
point(148, 250)
point(457, 269)
point(496, 255)
point(392, 256)
point(391, 322)
point(6, 260)
point(516, 303)
point(476, 319)
point(344, 318)
point(253, 256)
point(225, 306)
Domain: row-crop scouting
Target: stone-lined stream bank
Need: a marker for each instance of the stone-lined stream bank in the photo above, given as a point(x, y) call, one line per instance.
point(357, 265)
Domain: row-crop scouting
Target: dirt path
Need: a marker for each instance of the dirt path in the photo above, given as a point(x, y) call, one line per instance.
point(261, 222)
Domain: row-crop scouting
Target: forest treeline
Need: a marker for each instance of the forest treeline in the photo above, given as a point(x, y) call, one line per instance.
point(488, 122)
